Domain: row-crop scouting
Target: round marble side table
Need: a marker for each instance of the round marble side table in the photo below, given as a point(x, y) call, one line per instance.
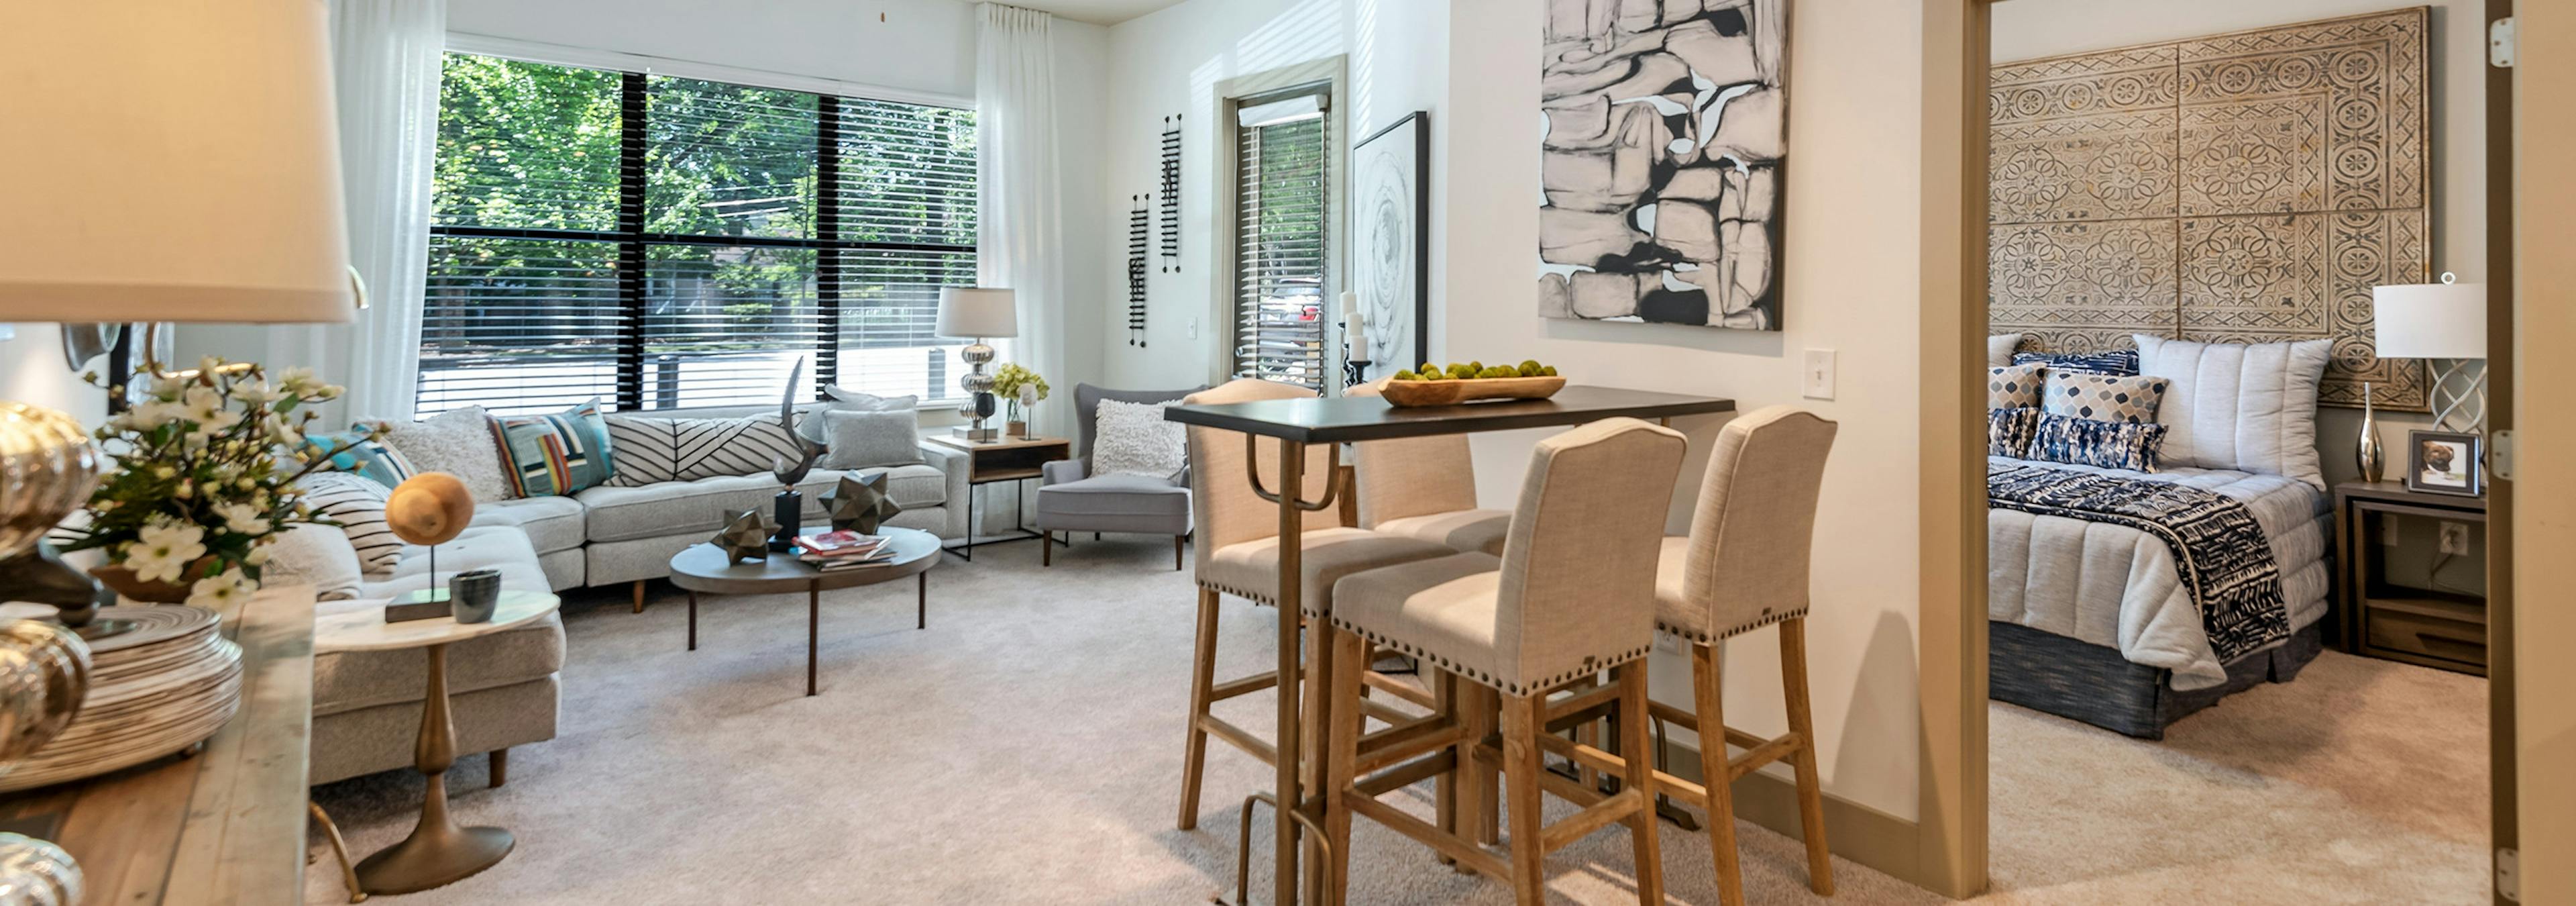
point(438, 852)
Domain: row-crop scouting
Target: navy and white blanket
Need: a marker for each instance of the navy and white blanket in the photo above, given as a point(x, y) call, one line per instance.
point(2220, 553)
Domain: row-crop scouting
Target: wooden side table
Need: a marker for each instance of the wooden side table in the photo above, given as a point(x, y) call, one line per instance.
point(2409, 615)
point(1012, 460)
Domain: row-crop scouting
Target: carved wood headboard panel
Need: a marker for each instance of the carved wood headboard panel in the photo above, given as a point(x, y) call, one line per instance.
point(2244, 187)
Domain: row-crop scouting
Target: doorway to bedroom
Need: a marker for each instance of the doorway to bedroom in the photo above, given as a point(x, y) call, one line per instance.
point(2238, 258)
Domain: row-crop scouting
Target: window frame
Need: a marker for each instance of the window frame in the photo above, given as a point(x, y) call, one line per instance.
point(1230, 97)
point(634, 242)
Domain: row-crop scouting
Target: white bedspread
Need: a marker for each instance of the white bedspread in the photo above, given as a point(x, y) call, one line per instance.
point(2116, 586)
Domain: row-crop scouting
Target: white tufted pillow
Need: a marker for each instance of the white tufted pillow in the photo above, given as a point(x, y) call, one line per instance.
point(1134, 439)
point(2251, 407)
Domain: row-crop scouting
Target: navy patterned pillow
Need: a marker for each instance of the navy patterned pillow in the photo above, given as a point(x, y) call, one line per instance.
point(2116, 361)
point(2092, 442)
point(2008, 431)
point(2077, 394)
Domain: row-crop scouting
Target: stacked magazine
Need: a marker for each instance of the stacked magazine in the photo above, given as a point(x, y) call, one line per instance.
point(836, 551)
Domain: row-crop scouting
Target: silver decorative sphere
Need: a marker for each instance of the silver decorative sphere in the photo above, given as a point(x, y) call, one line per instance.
point(44, 676)
point(47, 468)
point(37, 873)
point(976, 382)
point(977, 354)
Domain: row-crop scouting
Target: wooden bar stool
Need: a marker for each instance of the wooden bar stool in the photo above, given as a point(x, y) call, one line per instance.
point(1238, 554)
point(1571, 596)
point(1744, 566)
point(1425, 487)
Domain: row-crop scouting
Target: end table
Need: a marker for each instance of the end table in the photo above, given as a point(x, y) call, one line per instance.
point(2393, 604)
point(1010, 459)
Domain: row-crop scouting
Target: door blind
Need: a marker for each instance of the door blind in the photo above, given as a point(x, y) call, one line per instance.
point(1281, 235)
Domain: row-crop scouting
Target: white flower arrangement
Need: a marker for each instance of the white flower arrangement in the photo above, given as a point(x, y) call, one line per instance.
point(204, 479)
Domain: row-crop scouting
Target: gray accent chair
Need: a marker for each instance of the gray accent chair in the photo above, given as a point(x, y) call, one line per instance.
point(1071, 499)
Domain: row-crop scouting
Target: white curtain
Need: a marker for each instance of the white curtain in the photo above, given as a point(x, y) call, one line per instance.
point(385, 63)
point(1020, 212)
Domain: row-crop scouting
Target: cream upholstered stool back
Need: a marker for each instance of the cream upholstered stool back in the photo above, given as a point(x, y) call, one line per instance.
point(1222, 502)
point(1745, 564)
point(1424, 487)
point(1743, 567)
point(1571, 596)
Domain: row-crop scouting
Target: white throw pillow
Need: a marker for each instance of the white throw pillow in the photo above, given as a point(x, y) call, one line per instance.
point(2251, 407)
point(458, 443)
point(1135, 439)
point(318, 555)
point(2000, 348)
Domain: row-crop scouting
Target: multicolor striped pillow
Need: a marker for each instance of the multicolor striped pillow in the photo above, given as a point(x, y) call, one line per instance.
point(354, 451)
point(556, 455)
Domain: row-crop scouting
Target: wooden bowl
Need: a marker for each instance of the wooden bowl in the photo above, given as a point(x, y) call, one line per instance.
point(1408, 394)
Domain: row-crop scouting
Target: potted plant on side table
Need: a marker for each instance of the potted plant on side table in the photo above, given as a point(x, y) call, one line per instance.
point(204, 481)
point(1022, 389)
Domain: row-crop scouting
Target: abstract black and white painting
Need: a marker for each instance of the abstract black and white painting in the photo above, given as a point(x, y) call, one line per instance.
point(1389, 243)
point(1665, 128)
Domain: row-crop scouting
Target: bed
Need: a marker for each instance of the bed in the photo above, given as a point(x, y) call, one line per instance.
point(2093, 620)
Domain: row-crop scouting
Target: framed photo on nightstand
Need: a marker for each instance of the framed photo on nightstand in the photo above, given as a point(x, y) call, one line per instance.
point(2443, 462)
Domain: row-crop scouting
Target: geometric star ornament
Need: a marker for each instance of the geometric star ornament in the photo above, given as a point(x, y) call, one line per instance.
point(860, 505)
point(745, 538)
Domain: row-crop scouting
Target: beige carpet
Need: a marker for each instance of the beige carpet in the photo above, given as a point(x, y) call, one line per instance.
point(1026, 749)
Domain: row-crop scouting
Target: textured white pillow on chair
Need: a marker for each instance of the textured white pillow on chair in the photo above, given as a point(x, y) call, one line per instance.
point(2251, 407)
point(1135, 439)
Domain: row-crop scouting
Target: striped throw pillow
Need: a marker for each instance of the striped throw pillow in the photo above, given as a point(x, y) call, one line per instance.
point(555, 455)
point(352, 451)
point(654, 450)
point(357, 505)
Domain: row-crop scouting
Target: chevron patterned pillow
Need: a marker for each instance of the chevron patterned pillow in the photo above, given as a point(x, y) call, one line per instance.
point(654, 450)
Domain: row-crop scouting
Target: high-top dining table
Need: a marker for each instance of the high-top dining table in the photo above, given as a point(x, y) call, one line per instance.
point(1299, 423)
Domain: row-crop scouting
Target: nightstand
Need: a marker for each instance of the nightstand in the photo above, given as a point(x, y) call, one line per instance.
point(2412, 571)
point(1009, 459)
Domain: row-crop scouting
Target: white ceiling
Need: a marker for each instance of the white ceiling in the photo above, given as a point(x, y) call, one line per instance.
point(1098, 12)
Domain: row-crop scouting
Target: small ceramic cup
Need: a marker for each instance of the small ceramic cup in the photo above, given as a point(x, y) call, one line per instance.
point(474, 595)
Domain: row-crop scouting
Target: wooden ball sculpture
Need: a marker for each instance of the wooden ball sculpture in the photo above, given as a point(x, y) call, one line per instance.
point(430, 509)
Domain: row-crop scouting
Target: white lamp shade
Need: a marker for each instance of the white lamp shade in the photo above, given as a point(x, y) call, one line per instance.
point(174, 161)
point(976, 313)
point(2430, 321)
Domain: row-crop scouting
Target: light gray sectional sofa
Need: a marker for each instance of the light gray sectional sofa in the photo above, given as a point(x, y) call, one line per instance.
point(608, 535)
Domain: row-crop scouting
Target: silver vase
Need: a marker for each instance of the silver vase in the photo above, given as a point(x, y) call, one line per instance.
point(2368, 453)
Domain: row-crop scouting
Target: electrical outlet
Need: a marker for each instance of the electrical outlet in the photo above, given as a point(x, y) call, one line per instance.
point(1194, 328)
point(2455, 538)
point(1819, 375)
point(2387, 532)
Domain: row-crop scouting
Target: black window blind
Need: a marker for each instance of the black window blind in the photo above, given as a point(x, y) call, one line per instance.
point(661, 242)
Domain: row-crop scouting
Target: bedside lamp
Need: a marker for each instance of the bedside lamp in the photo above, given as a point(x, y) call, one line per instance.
point(2447, 323)
point(977, 314)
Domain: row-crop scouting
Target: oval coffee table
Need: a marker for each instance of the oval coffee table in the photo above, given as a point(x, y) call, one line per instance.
point(438, 852)
point(704, 568)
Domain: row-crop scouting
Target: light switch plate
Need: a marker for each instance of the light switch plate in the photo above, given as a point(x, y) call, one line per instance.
point(1194, 328)
point(1818, 379)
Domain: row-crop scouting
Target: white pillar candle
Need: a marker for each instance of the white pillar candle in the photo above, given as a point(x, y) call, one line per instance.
point(1357, 334)
point(1350, 306)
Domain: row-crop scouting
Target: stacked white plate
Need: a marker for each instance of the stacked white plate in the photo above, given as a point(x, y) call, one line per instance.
point(155, 690)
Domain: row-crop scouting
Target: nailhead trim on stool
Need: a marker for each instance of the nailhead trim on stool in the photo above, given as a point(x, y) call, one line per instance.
point(1590, 666)
point(1740, 629)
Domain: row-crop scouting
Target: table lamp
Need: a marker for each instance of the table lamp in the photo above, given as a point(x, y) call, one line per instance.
point(977, 314)
point(2445, 322)
point(166, 162)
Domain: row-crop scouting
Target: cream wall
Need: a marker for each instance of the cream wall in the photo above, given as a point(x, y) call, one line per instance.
point(1171, 62)
point(2037, 28)
point(1850, 278)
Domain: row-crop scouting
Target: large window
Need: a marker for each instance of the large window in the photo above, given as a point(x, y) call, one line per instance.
point(1282, 144)
point(661, 242)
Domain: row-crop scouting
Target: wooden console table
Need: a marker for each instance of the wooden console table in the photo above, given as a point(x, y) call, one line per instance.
point(224, 826)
